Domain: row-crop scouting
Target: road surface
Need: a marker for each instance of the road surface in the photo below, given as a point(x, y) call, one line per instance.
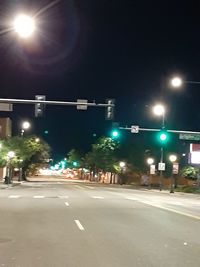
point(89, 225)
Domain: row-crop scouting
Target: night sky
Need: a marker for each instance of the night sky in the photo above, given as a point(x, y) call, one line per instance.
point(99, 49)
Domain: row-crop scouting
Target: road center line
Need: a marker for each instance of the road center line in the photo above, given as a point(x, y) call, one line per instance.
point(67, 204)
point(14, 196)
point(79, 225)
point(63, 197)
point(38, 197)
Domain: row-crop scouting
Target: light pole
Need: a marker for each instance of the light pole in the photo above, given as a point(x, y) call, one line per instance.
point(173, 159)
point(159, 110)
point(122, 166)
point(150, 161)
point(25, 126)
point(177, 82)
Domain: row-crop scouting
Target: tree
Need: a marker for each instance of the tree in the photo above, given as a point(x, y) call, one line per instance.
point(27, 151)
point(102, 157)
point(74, 158)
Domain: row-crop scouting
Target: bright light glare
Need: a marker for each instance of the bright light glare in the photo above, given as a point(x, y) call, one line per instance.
point(122, 164)
point(24, 25)
point(172, 158)
point(176, 82)
point(11, 154)
point(26, 125)
point(159, 110)
point(150, 161)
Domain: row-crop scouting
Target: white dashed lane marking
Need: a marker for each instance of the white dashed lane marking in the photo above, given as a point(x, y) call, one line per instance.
point(14, 196)
point(67, 204)
point(39, 197)
point(98, 197)
point(80, 226)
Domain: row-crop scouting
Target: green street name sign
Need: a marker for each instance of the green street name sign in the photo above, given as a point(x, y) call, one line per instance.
point(191, 137)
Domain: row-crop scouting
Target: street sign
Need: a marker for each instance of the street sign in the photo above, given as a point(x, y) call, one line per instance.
point(193, 137)
point(152, 169)
point(82, 106)
point(175, 168)
point(134, 129)
point(6, 107)
point(161, 166)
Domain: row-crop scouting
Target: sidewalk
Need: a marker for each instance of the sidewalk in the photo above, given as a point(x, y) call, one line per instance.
point(5, 186)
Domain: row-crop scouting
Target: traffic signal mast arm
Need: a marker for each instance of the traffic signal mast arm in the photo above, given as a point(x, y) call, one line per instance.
point(47, 102)
point(158, 130)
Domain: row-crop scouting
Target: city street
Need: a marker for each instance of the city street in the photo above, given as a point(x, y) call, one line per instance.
point(91, 225)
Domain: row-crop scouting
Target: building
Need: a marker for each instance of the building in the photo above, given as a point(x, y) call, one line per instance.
point(5, 131)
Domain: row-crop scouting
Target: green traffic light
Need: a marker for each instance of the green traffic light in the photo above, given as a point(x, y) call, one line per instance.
point(75, 163)
point(115, 133)
point(163, 137)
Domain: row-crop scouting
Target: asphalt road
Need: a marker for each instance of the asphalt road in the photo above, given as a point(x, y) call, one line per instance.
point(88, 225)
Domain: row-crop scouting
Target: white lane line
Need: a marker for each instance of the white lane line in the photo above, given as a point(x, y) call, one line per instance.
point(98, 197)
point(80, 226)
point(165, 208)
point(63, 196)
point(132, 198)
point(79, 187)
point(14, 196)
point(90, 187)
point(67, 204)
point(39, 197)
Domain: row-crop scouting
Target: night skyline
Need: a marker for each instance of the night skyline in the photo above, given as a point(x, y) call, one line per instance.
point(126, 50)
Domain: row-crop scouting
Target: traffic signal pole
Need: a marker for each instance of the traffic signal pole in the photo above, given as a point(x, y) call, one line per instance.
point(58, 103)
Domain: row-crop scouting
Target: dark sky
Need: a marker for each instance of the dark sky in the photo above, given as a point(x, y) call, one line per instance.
point(98, 49)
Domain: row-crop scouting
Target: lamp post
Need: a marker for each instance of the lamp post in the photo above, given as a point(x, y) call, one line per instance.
point(150, 162)
point(122, 166)
point(159, 110)
point(25, 126)
point(173, 159)
point(177, 82)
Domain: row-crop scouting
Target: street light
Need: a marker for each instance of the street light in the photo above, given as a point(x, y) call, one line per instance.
point(25, 126)
point(150, 161)
point(173, 159)
point(24, 25)
point(159, 110)
point(177, 82)
point(122, 166)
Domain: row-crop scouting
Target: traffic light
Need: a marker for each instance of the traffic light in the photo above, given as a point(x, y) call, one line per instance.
point(115, 134)
point(75, 163)
point(163, 137)
point(39, 107)
point(110, 109)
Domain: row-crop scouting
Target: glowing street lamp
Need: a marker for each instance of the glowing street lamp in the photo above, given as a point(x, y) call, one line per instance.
point(24, 25)
point(176, 82)
point(122, 164)
point(150, 161)
point(173, 159)
point(25, 126)
point(159, 110)
point(11, 154)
